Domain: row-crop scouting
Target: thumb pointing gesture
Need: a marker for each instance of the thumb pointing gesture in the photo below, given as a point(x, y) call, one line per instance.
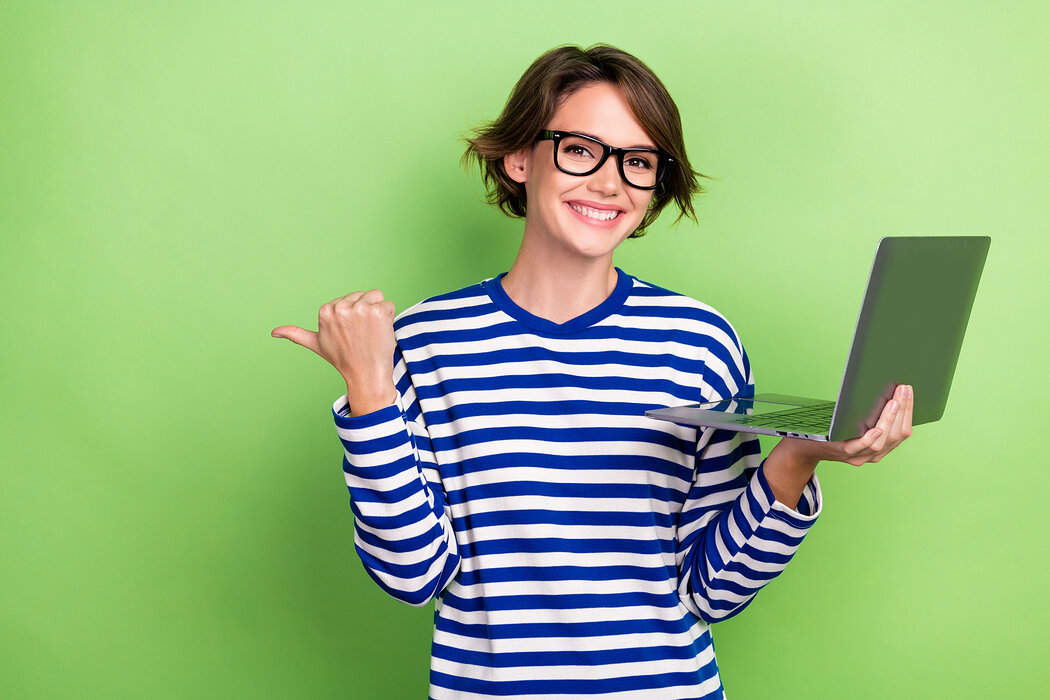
point(299, 336)
point(355, 334)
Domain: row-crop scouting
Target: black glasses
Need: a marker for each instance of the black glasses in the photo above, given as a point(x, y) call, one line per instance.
point(576, 154)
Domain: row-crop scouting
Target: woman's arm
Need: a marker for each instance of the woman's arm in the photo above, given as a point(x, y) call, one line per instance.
point(742, 524)
point(734, 536)
point(402, 525)
point(402, 529)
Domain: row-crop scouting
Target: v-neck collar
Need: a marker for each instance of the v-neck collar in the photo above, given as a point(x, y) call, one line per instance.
point(624, 282)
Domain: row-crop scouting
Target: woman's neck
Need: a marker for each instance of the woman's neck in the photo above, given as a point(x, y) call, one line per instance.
point(557, 288)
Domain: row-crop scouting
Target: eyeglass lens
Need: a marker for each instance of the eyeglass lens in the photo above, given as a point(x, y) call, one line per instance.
point(580, 156)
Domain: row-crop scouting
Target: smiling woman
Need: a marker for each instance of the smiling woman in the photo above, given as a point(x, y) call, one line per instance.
point(576, 221)
point(551, 79)
point(496, 449)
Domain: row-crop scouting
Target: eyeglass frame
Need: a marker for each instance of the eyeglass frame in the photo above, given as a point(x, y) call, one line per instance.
point(663, 165)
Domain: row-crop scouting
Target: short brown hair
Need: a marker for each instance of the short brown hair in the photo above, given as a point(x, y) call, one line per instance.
point(545, 84)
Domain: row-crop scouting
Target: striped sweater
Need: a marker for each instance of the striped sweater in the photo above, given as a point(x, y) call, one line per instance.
point(574, 546)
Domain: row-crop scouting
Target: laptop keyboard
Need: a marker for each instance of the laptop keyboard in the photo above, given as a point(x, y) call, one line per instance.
point(816, 419)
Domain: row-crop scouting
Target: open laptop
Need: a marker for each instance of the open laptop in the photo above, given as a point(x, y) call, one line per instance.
point(910, 329)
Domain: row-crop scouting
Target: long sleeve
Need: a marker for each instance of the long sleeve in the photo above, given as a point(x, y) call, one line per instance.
point(734, 536)
point(402, 529)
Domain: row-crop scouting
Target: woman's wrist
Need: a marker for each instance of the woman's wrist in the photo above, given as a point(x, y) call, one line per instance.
point(368, 399)
point(788, 469)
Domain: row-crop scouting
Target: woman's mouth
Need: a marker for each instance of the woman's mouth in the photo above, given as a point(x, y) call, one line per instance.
point(593, 213)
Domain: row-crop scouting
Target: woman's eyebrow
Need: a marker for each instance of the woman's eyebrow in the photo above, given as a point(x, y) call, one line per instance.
point(584, 133)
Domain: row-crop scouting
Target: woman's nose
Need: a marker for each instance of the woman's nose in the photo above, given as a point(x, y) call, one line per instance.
point(607, 179)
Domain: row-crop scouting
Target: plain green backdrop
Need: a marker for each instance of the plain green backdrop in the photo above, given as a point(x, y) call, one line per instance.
point(178, 178)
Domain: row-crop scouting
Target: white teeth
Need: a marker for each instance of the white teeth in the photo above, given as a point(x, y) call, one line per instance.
point(599, 214)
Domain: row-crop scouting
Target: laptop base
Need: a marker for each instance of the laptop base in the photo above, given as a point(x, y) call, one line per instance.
point(765, 414)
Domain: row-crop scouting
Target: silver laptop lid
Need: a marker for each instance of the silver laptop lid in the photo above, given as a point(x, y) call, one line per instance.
point(918, 300)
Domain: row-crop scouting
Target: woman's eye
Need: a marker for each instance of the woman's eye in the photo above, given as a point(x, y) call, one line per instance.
point(637, 163)
point(576, 150)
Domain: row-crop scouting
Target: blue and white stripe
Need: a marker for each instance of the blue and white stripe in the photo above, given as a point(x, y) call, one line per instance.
point(574, 546)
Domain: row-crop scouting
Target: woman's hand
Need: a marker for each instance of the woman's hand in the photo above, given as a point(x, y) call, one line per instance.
point(355, 334)
point(792, 462)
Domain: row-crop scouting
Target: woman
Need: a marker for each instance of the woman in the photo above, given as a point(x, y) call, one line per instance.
point(497, 453)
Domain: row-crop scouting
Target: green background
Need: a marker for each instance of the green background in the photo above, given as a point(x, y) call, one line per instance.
point(178, 178)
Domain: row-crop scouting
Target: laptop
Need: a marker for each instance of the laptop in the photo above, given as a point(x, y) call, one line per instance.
point(910, 330)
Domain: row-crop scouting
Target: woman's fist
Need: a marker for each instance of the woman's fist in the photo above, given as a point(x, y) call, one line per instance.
point(355, 334)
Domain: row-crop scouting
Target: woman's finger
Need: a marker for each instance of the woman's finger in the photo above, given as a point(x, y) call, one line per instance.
point(373, 296)
point(889, 414)
point(909, 405)
point(388, 307)
point(350, 298)
point(299, 336)
point(897, 430)
point(879, 444)
point(856, 448)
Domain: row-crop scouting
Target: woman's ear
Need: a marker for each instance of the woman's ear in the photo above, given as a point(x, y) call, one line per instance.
point(517, 164)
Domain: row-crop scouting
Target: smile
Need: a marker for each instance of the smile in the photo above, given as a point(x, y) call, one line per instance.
point(596, 214)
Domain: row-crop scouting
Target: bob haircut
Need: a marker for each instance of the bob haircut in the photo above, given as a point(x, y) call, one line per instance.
point(552, 78)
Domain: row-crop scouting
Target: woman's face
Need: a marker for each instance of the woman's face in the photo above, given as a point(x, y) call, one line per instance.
point(585, 216)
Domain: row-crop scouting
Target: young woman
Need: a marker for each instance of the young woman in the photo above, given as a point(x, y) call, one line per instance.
point(496, 449)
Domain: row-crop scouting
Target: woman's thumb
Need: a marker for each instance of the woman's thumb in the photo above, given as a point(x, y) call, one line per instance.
point(299, 336)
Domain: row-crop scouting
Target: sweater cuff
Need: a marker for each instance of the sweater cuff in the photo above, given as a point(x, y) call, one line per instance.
point(343, 419)
point(378, 443)
point(809, 506)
